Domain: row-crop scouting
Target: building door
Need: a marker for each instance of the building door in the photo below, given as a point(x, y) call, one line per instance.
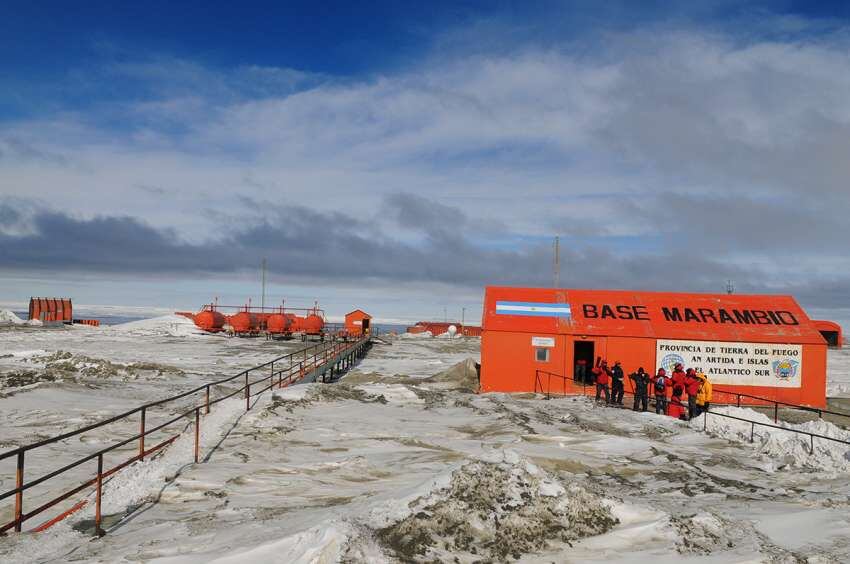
point(583, 359)
point(585, 353)
point(365, 326)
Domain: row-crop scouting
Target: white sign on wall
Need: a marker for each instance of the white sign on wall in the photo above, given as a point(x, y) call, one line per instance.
point(358, 322)
point(738, 364)
point(543, 342)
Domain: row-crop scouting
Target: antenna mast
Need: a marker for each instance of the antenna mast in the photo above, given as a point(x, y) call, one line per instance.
point(730, 287)
point(263, 295)
point(556, 262)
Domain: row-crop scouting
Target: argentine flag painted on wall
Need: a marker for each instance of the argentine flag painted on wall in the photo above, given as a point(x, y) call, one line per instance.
point(535, 309)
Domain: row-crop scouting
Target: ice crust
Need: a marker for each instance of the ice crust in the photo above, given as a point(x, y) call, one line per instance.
point(399, 461)
point(165, 326)
point(781, 448)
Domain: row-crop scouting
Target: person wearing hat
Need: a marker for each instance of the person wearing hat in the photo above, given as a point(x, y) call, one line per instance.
point(603, 377)
point(617, 385)
point(641, 384)
point(704, 394)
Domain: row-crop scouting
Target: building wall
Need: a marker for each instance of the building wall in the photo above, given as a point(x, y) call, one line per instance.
point(508, 364)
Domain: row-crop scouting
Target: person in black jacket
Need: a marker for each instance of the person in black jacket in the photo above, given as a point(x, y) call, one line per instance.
point(617, 384)
point(641, 384)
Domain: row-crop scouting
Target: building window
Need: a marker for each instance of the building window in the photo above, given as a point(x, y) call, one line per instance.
point(541, 354)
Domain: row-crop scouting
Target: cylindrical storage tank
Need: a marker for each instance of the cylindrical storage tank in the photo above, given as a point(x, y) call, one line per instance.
point(211, 321)
point(277, 323)
point(296, 323)
point(313, 324)
point(244, 322)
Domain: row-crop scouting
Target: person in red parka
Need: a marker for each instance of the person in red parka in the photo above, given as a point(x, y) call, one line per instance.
point(603, 377)
point(678, 378)
point(660, 382)
point(677, 408)
point(692, 385)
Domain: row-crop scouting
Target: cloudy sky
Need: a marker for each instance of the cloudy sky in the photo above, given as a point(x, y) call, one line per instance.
point(399, 158)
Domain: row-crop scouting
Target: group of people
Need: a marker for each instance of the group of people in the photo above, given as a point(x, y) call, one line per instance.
point(684, 385)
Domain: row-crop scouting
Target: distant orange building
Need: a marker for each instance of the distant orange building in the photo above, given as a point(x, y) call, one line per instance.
point(51, 309)
point(358, 322)
point(755, 344)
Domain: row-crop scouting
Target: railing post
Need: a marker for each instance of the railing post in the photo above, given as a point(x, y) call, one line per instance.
point(812, 444)
point(775, 412)
point(197, 433)
point(142, 434)
point(207, 401)
point(247, 392)
point(99, 497)
point(19, 497)
point(739, 400)
point(704, 420)
point(752, 432)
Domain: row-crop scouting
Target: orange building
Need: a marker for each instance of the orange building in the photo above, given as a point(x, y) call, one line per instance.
point(357, 322)
point(754, 344)
point(51, 309)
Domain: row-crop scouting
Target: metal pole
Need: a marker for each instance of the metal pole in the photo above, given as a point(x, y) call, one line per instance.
point(752, 432)
point(247, 393)
point(19, 496)
point(142, 435)
point(263, 298)
point(99, 496)
point(775, 412)
point(208, 399)
point(739, 400)
point(197, 433)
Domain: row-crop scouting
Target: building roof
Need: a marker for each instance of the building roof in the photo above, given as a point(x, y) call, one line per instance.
point(662, 315)
point(360, 311)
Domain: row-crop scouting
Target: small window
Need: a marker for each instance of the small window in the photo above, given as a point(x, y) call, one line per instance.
point(542, 354)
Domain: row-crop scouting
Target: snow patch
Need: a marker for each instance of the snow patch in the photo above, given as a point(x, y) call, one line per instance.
point(165, 325)
point(781, 448)
point(319, 545)
point(8, 317)
point(422, 335)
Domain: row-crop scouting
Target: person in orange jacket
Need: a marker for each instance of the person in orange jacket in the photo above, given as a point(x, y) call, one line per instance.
point(692, 385)
point(660, 382)
point(678, 378)
point(676, 408)
point(603, 378)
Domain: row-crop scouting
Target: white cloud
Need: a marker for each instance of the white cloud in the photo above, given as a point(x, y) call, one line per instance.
point(539, 140)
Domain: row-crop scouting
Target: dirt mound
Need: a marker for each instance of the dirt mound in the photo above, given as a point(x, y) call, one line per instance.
point(462, 377)
point(496, 511)
point(66, 366)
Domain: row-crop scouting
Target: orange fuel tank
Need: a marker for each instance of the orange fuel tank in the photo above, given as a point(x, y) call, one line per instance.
point(296, 323)
point(211, 321)
point(313, 324)
point(244, 322)
point(278, 323)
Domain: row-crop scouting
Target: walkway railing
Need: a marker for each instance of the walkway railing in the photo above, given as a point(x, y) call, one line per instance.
point(776, 404)
point(544, 375)
point(280, 372)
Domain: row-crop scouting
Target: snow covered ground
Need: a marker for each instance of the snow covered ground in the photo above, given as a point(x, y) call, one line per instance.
point(399, 462)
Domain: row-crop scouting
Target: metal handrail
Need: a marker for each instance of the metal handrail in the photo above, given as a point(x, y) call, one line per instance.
point(811, 435)
point(315, 358)
point(777, 403)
